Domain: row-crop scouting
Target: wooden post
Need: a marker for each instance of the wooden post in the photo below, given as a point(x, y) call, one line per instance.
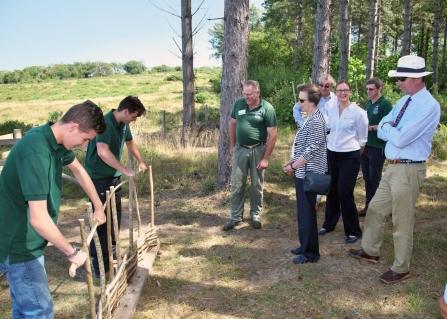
point(115, 227)
point(109, 237)
point(131, 189)
point(17, 133)
point(98, 251)
point(151, 182)
point(163, 122)
point(88, 269)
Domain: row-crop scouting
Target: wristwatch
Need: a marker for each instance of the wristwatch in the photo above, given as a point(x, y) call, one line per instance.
point(372, 128)
point(75, 252)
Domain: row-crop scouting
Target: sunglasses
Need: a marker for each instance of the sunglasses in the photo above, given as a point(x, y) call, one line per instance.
point(370, 89)
point(302, 101)
point(327, 86)
point(401, 78)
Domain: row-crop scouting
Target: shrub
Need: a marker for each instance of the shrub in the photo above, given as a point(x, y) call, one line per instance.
point(439, 143)
point(203, 97)
point(173, 77)
point(8, 126)
point(54, 116)
point(213, 114)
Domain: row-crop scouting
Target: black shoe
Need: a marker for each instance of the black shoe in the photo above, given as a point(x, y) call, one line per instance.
point(256, 222)
point(231, 223)
point(296, 251)
point(362, 212)
point(323, 231)
point(350, 240)
point(301, 260)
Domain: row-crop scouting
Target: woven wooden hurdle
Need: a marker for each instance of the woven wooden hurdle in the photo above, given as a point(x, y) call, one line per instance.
point(124, 267)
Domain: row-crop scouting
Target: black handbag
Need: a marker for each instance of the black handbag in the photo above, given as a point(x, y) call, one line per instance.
point(317, 183)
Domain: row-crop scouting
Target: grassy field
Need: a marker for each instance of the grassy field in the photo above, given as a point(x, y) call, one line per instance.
point(204, 272)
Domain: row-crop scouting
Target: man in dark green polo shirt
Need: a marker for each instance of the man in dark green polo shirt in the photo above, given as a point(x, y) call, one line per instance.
point(252, 140)
point(372, 158)
point(102, 163)
point(30, 192)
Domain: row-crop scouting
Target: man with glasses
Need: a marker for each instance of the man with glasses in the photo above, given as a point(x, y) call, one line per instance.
point(327, 101)
point(408, 130)
point(372, 158)
point(253, 128)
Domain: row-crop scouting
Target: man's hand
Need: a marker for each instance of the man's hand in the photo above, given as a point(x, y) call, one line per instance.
point(130, 173)
point(263, 164)
point(99, 216)
point(78, 259)
point(142, 167)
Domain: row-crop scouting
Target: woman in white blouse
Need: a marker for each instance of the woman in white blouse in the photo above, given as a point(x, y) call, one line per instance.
point(348, 124)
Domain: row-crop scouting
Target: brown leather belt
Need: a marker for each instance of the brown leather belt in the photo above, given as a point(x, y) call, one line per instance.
point(404, 161)
point(251, 146)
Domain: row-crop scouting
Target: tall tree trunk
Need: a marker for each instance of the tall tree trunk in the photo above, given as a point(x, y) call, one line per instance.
point(234, 74)
point(298, 31)
point(188, 70)
point(378, 35)
point(407, 29)
point(436, 44)
point(373, 25)
point(349, 27)
point(344, 46)
point(421, 43)
point(320, 64)
point(427, 41)
point(443, 63)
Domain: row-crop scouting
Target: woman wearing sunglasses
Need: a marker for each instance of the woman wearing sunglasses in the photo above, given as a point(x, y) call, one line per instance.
point(308, 153)
point(349, 132)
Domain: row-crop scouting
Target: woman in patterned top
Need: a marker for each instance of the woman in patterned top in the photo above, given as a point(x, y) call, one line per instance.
point(308, 153)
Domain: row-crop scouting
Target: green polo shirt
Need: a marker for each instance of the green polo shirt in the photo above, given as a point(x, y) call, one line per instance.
point(375, 113)
point(251, 125)
point(32, 172)
point(114, 136)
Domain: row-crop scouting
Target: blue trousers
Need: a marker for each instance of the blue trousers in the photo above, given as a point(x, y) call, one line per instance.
point(345, 167)
point(28, 287)
point(307, 222)
point(372, 160)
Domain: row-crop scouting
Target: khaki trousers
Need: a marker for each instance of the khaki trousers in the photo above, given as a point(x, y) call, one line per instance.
point(397, 195)
point(244, 162)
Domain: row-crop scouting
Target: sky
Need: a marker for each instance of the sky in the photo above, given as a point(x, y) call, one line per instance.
point(44, 32)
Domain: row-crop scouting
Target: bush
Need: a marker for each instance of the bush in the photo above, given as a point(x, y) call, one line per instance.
point(215, 83)
point(173, 77)
point(213, 114)
point(203, 97)
point(8, 126)
point(54, 116)
point(439, 143)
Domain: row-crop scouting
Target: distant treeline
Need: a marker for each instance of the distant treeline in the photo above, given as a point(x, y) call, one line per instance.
point(79, 70)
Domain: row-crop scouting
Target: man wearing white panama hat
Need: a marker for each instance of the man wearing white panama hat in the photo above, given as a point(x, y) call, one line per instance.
point(408, 130)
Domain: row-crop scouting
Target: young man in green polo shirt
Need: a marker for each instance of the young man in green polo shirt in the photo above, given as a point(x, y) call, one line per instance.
point(373, 157)
point(253, 120)
point(30, 192)
point(102, 163)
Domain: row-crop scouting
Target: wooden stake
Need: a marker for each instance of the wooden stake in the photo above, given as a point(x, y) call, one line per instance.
point(151, 182)
point(293, 89)
point(88, 269)
point(109, 237)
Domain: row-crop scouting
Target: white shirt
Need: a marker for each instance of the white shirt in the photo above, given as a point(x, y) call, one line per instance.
point(411, 139)
point(324, 105)
point(349, 131)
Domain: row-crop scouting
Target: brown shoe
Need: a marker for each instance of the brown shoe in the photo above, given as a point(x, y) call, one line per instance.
point(391, 277)
point(360, 254)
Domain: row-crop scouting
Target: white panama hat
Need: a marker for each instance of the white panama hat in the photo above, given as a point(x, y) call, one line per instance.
point(410, 66)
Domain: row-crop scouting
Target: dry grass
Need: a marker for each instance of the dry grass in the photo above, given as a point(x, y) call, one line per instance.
point(204, 272)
